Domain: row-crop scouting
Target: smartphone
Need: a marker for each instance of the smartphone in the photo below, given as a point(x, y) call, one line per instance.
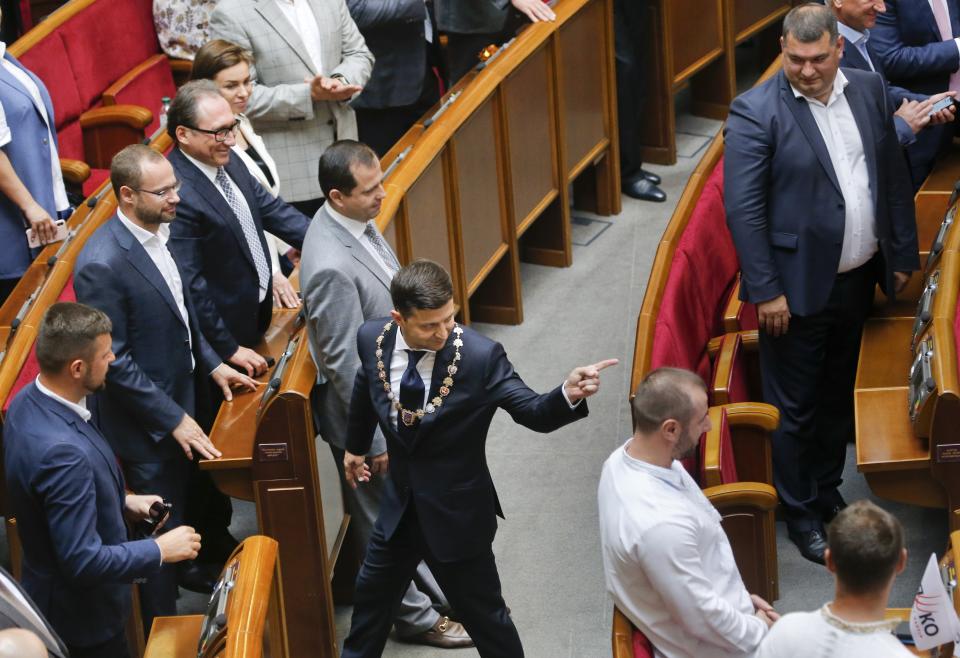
point(61, 233)
point(941, 104)
point(159, 512)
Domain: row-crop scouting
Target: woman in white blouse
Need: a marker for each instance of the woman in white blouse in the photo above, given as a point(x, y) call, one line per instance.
point(228, 66)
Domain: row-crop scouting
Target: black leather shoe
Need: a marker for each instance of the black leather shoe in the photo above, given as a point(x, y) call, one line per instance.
point(811, 544)
point(644, 190)
point(830, 513)
point(196, 577)
point(650, 176)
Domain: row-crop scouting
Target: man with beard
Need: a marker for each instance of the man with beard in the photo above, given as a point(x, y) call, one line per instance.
point(66, 490)
point(158, 384)
point(668, 563)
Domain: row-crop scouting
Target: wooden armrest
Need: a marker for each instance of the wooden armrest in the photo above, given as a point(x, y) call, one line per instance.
point(74, 171)
point(731, 313)
point(622, 635)
point(742, 494)
point(110, 93)
point(763, 416)
point(182, 68)
point(131, 116)
point(749, 338)
point(749, 425)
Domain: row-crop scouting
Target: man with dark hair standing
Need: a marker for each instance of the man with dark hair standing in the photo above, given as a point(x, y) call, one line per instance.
point(67, 492)
point(819, 205)
point(160, 377)
point(668, 563)
point(432, 387)
point(865, 554)
point(345, 278)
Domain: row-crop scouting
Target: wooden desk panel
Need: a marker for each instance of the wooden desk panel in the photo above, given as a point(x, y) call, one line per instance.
point(174, 637)
point(885, 355)
point(483, 230)
point(905, 305)
point(427, 214)
point(885, 439)
point(945, 174)
point(750, 16)
point(582, 72)
point(530, 144)
point(695, 34)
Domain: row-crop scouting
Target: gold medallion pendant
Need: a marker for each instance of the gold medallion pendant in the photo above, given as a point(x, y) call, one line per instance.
point(406, 416)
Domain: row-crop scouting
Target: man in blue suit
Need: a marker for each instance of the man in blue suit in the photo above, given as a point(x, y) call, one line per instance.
point(855, 19)
point(163, 360)
point(916, 40)
point(218, 239)
point(67, 492)
point(32, 194)
point(819, 205)
point(432, 387)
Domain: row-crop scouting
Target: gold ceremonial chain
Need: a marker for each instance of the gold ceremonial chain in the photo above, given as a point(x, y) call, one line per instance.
point(410, 417)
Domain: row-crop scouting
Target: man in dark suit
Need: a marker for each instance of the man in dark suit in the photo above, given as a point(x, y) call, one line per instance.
point(432, 387)
point(917, 43)
point(819, 204)
point(912, 113)
point(17, 611)
point(163, 361)
point(402, 86)
point(67, 492)
point(218, 239)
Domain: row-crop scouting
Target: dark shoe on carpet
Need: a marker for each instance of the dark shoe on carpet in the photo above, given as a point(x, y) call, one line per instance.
point(644, 190)
point(829, 512)
point(196, 577)
point(445, 634)
point(650, 176)
point(810, 542)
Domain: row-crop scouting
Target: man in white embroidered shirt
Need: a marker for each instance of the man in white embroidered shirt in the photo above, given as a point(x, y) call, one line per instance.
point(819, 204)
point(667, 561)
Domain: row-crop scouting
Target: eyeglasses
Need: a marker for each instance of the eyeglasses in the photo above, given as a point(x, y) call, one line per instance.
point(220, 134)
point(165, 193)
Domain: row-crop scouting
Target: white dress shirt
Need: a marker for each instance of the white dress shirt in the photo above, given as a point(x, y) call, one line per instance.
point(820, 634)
point(356, 229)
point(155, 244)
point(668, 563)
point(858, 40)
point(845, 146)
point(300, 16)
point(946, 6)
point(211, 173)
point(56, 175)
point(79, 408)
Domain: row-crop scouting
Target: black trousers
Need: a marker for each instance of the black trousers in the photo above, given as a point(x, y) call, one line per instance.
point(115, 647)
point(6, 287)
point(808, 374)
point(630, 34)
point(472, 586)
point(158, 595)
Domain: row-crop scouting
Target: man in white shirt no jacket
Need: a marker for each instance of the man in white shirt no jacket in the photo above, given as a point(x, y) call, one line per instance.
point(667, 560)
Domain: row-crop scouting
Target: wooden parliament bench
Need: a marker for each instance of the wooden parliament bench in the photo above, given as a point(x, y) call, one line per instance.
point(235, 621)
point(693, 42)
point(483, 180)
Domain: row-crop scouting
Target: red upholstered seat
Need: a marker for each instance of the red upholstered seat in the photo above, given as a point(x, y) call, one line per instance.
point(144, 86)
point(31, 368)
point(641, 645)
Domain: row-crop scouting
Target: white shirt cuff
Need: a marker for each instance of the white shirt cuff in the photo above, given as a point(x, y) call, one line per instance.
point(563, 389)
point(957, 41)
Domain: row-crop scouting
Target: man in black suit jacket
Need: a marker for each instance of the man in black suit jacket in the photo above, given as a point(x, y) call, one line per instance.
point(17, 611)
point(163, 361)
point(911, 111)
point(818, 202)
point(440, 504)
point(218, 239)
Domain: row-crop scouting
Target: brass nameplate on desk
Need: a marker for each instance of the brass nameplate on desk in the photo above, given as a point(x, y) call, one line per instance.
point(948, 452)
point(277, 452)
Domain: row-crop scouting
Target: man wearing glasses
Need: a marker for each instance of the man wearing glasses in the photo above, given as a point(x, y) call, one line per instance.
point(158, 382)
point(218, 239)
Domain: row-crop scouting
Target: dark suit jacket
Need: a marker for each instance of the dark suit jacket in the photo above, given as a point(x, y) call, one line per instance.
point(853, 59)
point(214, 259)
point(152, 383)
point(13, 615)
point(66, 490)
point(784, 206)
point(444, 472)
point(394, 32)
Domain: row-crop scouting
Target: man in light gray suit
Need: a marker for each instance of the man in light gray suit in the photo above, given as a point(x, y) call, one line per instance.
point(345, 274)
point(310, 61)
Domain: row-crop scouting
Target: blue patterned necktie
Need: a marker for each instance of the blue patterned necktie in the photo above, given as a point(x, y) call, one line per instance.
point(242, 213)
point(411, 393)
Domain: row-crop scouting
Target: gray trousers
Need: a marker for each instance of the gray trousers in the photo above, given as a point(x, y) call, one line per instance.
point(418, 609)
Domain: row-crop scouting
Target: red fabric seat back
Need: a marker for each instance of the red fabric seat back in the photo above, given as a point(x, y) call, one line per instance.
point(641, 645)
point(31, 368)
point(148, 88)
point(49, 61)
